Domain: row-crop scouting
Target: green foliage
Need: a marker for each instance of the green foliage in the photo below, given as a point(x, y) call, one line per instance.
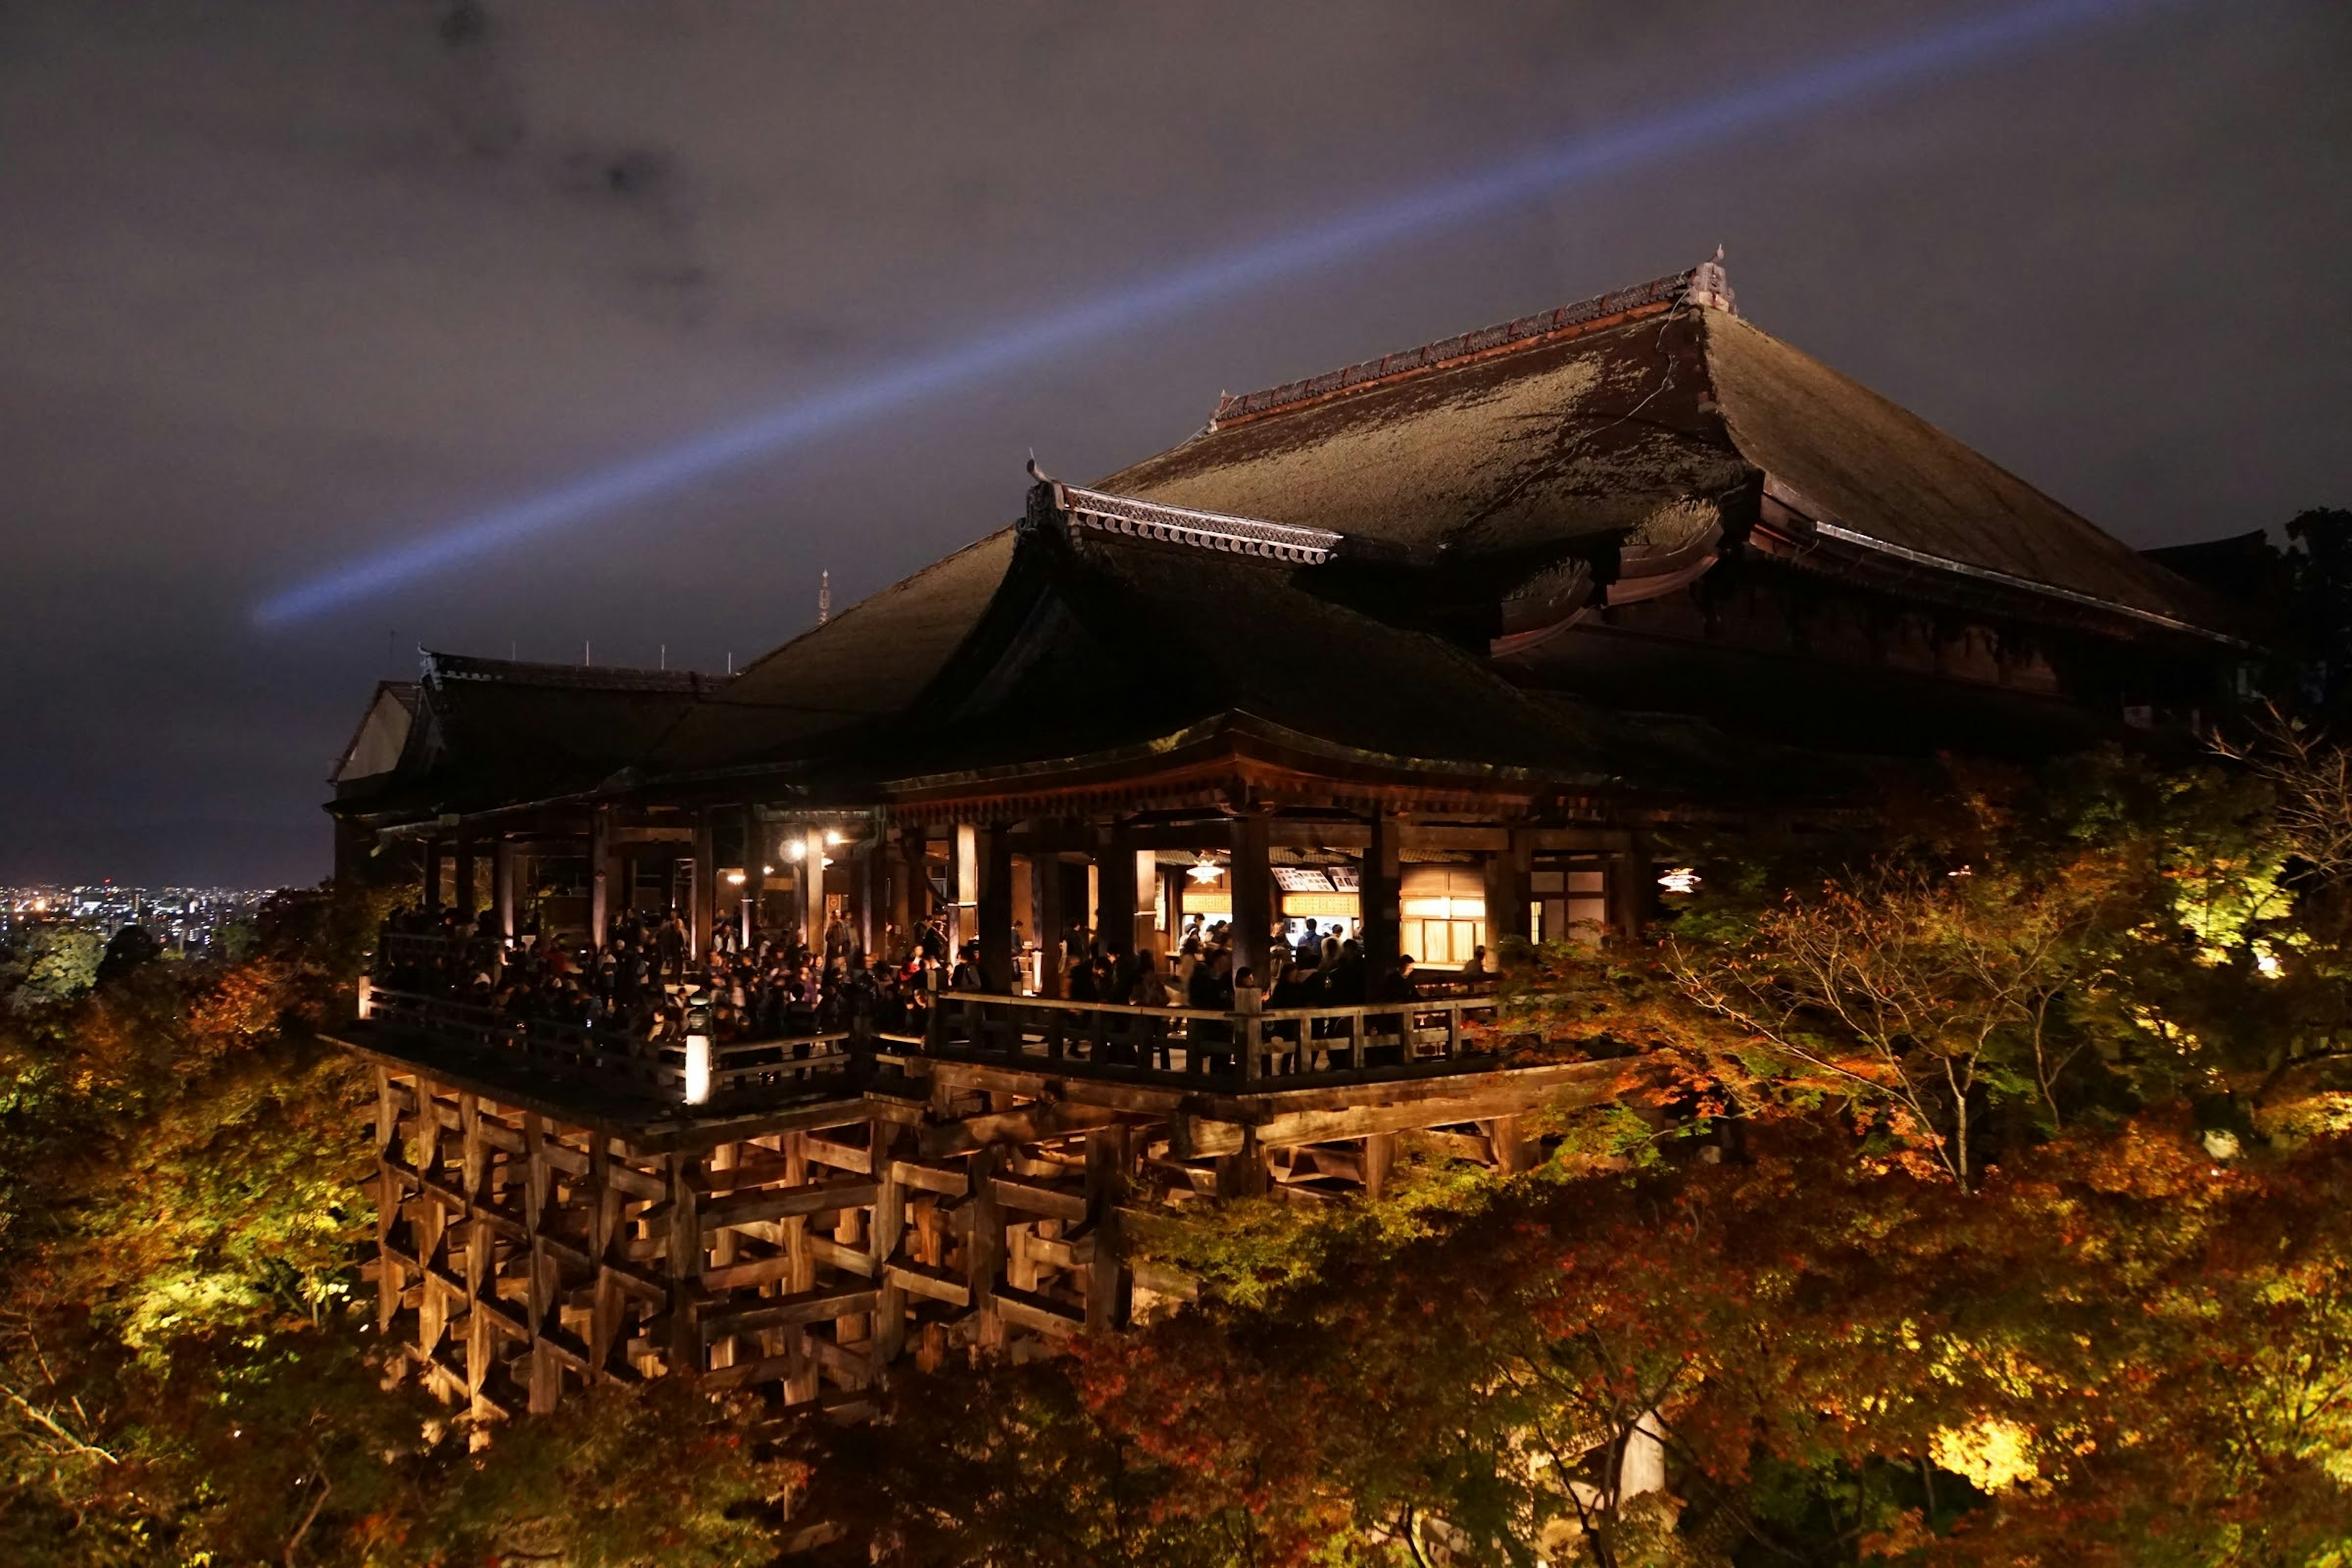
point(188, 1370)
point(48, 966)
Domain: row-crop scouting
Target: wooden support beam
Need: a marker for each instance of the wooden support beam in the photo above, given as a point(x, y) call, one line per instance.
point(786, 1203)
point(1027, 1124)
point(794, 1309)
point(1029, 1198)
point(935, 1284)
point(1027, 1309)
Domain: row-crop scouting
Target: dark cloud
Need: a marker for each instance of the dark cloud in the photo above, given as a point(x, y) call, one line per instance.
point(281, 283)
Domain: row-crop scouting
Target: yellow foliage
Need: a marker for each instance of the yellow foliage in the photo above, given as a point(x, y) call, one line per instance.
point(1993, 1454)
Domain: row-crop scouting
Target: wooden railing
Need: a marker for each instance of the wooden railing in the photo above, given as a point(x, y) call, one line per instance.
point(612, 1057)
point(1249, 1048)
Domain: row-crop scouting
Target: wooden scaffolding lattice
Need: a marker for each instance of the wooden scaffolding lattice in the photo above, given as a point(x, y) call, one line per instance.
point(952, 1206)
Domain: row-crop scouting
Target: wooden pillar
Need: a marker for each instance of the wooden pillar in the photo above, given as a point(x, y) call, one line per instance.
point(603, 1231)
point(391, 1279)
point(963, 884)
point(502, 884)
point(994, 908)
point(873, 881)
point(704, 921)
point(1251, 877)
point(546, 1374)
point(432, 900)
point(1243, 1173)
point(1148, 935)
point(984, 1247)
point(1379, 1160)
point(1506, 890)
point(882, 1244)
point(755, 873)
point(1107, 1277)
point(1045, 871)
point(1633, 892)
point(812, 872)
point(462, 895)
point(1379, 896)
point(1115, 920)
point(599, 877)
point(685, 1348)
point(906, 889)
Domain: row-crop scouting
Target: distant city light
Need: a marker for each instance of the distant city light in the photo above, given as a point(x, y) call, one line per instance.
point(1340, 238)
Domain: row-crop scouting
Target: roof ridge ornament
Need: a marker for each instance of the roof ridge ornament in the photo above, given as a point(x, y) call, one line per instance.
point(1705, 285)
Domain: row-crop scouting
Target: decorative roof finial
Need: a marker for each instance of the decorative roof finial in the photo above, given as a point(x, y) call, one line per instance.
point(1709, 285)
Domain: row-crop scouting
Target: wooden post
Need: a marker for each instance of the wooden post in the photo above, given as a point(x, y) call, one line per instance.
point(813, 887)
point(685, 1357)
point(1045, 871)
point(432, 898)
point(391, 1279)
point(502, 884)
point(546, 1371)
point(909, 906)
point(599, 877)
point(1633, 892)
point(462, 895)
point(874, 880)
point(1379, 1159)
point(800, 1276)
point(1251, 877)
point(704, 921)
point(1507, 891)
point(604, 1224)
point(994, 908)
point(1148, 936)
point(984, 1247)
point(1106, 1276)
point(1115, 921)
point(1242, 1174)
point(963, 884)
point(1379, 897)
point(474, 1182)
point(882, 1244)
point(755, 874)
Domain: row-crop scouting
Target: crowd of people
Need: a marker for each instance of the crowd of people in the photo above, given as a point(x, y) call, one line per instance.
point(644, 980)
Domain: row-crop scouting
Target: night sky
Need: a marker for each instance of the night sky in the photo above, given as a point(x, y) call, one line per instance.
point(282, 284)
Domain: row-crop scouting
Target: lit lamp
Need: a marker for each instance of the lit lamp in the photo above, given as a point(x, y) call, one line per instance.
point(1681, 879)
point(367, 998)
point(1204, 870)
point(698, 1053)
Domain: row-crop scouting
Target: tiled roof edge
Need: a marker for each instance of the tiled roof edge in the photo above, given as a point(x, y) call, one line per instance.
point(1705, 284)
point(1107, 513)
point(454, 667)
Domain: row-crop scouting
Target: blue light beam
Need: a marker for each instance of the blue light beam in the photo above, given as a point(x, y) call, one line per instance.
point(1584, 158)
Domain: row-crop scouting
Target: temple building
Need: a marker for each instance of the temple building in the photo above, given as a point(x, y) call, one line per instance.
point(1437, 650)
